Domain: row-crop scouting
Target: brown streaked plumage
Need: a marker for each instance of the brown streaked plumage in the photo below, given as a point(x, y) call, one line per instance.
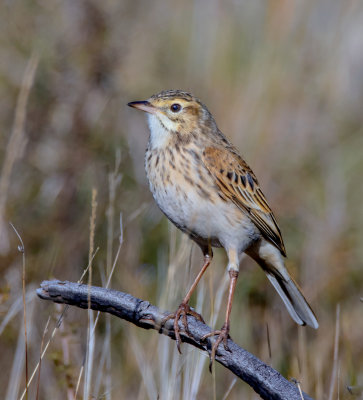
point(203, 185)
point(238, 183)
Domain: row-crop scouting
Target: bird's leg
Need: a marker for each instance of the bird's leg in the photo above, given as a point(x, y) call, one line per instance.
point(223, 333)
point(184, 309)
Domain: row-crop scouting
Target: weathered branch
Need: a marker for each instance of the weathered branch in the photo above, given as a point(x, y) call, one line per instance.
point(266, 381)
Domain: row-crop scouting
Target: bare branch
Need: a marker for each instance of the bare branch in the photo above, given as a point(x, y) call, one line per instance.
point(266, 381)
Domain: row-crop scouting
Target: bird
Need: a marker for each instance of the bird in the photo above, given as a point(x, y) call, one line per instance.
point(202, 184)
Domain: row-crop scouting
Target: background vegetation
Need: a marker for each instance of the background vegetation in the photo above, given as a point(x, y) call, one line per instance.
point(284, 80)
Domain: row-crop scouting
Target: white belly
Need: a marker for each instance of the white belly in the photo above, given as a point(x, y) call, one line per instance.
point(208, 219)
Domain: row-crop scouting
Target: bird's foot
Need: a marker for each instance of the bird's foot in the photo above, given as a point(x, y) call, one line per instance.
point(183, 311)
point(223, 336)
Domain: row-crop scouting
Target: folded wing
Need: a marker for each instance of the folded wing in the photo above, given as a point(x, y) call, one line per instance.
point(238, 183)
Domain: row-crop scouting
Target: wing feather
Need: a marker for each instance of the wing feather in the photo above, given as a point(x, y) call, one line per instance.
point(238, 183)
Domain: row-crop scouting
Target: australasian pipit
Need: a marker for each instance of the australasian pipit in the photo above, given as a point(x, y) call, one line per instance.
point(202, 184)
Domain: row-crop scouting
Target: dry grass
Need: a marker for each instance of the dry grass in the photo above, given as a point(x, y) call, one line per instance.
point(284, 80)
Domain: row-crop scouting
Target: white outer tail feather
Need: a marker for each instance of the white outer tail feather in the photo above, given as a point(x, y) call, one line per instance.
point(294, 301)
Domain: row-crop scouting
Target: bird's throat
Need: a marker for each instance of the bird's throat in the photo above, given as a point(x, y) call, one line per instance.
point(159, 132)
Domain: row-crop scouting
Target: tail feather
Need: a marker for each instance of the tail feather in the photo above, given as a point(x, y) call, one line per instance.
point(270, 259)
point(294, 300)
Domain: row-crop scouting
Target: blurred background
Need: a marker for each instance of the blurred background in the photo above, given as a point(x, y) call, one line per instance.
point(284, 80)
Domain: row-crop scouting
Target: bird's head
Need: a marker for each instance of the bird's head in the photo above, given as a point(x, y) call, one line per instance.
point(174, 115)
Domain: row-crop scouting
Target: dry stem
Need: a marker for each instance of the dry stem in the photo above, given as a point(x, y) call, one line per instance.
point(266, 381)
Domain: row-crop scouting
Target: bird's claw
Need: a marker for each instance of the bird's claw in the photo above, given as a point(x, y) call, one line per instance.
point(183, 311)
point(223, 336)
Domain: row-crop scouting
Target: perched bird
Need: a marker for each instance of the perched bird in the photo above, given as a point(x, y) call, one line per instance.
point(202, 184)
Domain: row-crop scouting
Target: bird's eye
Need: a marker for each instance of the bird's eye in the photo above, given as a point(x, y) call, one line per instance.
point(175, 107)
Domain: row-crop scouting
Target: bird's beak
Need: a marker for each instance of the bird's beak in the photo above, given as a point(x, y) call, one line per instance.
point(143, 106)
